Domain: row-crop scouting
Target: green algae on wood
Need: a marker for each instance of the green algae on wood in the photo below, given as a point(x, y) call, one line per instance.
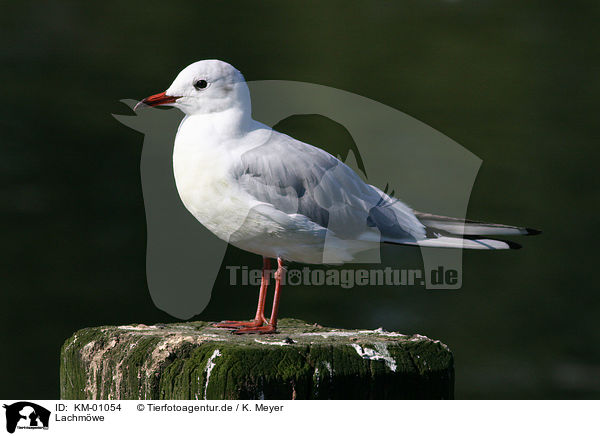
point(197, 361)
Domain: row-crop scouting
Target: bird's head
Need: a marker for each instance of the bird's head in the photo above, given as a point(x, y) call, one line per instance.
point(204, 87)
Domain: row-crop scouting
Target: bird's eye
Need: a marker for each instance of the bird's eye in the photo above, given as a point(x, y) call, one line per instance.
point(200, 84)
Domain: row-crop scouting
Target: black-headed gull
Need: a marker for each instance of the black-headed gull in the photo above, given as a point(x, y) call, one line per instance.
point(278, 197)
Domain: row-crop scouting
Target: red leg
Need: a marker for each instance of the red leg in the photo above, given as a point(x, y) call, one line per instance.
point(259, 318)
point(271, 327)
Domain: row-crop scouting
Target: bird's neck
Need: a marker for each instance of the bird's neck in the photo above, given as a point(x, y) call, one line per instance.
point(225, 124)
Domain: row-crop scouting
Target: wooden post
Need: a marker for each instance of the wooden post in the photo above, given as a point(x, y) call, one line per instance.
point(196, 361)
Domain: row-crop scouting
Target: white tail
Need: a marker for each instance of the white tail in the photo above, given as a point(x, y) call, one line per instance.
point(453, 242)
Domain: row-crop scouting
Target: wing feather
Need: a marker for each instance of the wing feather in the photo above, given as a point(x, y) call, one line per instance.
point(298, 178)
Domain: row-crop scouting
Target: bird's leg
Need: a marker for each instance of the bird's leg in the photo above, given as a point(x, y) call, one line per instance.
point(262, 296)
point(271, 327)
point(259, 319)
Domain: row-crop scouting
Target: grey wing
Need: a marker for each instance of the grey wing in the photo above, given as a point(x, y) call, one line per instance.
point(298, 178)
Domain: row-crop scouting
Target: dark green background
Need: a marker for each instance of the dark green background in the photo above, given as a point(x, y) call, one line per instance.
point(514, 82)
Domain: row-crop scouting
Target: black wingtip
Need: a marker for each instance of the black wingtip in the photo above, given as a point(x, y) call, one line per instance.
point(531, 232)
point(513, 245)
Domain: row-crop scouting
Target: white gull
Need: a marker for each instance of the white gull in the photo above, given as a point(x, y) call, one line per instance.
point(270, 194)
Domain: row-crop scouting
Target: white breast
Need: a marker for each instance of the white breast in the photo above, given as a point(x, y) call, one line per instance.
point(206, 188)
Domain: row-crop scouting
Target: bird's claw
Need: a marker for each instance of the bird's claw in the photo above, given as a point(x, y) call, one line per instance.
point(239, 324)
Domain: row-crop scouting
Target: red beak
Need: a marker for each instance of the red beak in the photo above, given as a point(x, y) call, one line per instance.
point(157, 100)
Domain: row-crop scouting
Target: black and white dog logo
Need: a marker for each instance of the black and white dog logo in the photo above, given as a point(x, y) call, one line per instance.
point(26, 415)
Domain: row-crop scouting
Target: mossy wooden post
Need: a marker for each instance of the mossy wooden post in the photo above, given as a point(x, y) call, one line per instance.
point(196, 361)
